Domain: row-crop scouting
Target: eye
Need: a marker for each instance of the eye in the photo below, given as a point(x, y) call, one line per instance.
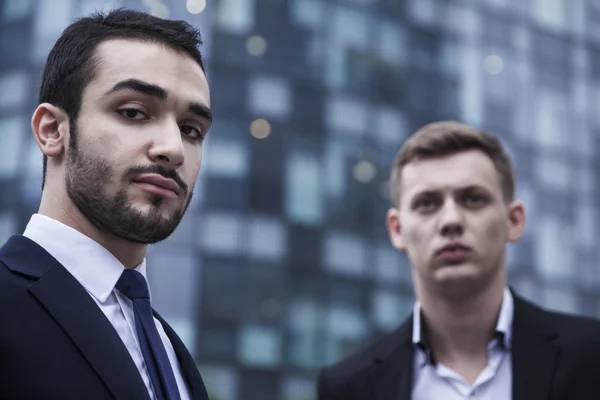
point(192, 132)
point(475, 200)
point(426, 204)
point(133, 114)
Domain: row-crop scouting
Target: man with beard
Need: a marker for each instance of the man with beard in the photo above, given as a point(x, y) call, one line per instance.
point(124, 109)
point(470, 336)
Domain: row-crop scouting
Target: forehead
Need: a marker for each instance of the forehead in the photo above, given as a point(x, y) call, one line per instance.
point(469, 168)
point(155, 63)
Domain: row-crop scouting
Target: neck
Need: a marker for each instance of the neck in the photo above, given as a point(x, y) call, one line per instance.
point(63, 210)
point(462, 326)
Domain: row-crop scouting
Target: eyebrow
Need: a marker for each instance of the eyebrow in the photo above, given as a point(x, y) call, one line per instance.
point(464, 189)
point(201, 111)
point(149, 89)
point(137, 85)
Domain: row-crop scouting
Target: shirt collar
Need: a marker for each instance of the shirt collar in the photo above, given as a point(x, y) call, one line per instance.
point(503, 326)
point(94, 267)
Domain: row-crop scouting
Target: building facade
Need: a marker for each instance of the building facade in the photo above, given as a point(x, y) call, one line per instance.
point(283, 264)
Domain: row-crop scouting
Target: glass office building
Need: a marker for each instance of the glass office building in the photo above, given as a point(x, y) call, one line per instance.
point(282, 263)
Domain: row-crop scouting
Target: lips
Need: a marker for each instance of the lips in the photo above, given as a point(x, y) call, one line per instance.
point(453, 254)
point(453, 247)
point(159, 181)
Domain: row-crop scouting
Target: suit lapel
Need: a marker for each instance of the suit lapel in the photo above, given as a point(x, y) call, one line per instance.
point(391, 374)
point(188, 365)
point(534, 352)
point(77, 314)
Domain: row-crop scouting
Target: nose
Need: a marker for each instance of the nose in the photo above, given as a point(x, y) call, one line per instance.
point(167, 149)
point(451, 220)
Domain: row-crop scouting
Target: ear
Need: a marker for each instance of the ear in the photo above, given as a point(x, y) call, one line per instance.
point(50, 126)
point(516, 220)
point(394, 228)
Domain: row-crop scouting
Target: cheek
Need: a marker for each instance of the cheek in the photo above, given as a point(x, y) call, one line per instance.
point(418, 237)
point(192, 170)
point(193, 161)
point(495, 232)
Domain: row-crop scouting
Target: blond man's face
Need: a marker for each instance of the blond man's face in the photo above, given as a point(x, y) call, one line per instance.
point(452, 220)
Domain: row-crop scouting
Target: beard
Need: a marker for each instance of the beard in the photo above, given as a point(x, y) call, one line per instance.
point(87, 177)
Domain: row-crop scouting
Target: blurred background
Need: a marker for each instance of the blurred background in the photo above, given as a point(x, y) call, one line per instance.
point(282, 263)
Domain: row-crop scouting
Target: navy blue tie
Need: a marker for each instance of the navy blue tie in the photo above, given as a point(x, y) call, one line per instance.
point(133, 285)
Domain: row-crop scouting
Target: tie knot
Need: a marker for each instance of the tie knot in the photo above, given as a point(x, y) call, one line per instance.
point(133, 285)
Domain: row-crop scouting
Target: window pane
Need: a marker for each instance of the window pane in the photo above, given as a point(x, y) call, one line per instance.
point(350, 27)
point(392, 42)
point(585, 180)
point(260, 346)
point(51, 18)
point(553, 172)
point(335, 169)
point(172, 276)
point(298, 389)
point(345, 253)
point(529, 197)
point(551, 119)
point(221, 232)
point(471, 88)
point(390, 266)
point(424, 12)
point(226, 157)
point(594, 99)
point(269, 97)
point(303, 195)
point(15, 9)
point(451, 57)
point(218, 342)
point(553, 250)
point(586, 224)
point(221, 382)
point(12, 132)
point(389, 309)
point(561, 300)
point(267, 239)
point(186, 231)
point(308, 13)
point(550, 13)
point(347, 330)
point(31, 166)
point(346, 115)
point(498, 86)
point(8, 226)
point(463, 20)
point(391, 126)
point(219, 278)
point(527, 288)
point(16, 84)
point(90, 6)
point(346, 323)
point(236, 16)
point(304, 322)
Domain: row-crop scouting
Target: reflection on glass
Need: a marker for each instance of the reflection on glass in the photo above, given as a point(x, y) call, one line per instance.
point(303, 196)
point(260, 346)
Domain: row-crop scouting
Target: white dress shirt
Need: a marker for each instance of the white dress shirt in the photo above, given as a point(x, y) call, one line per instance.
point(436, 381)
point(97, 270)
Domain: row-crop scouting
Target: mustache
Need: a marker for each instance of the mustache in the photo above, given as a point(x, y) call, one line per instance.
point(159, 170)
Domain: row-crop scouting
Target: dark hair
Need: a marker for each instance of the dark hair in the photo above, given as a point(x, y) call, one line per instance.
point(72, 62)
point(444, 138)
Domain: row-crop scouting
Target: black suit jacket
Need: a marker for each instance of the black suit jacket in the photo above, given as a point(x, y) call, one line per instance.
point(554, 356)
point(56, 343)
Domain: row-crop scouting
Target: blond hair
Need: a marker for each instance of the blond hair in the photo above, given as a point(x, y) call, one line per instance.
point(444, 138)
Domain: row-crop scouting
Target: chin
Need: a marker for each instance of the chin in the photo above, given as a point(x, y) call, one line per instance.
point(461, 279)
point(458, 273)
point(151, 204)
